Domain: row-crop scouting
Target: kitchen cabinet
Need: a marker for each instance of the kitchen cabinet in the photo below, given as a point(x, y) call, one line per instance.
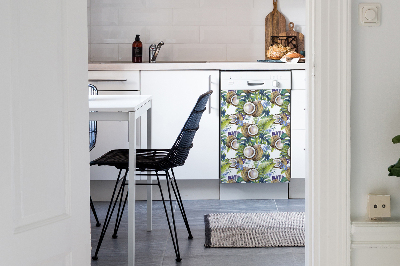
point(298, 123)
point(174, 96)
point(112, 134)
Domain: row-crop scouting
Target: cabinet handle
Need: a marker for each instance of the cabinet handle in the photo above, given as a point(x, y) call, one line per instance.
point(209, 99)
point(254, 83)
point(99, 80)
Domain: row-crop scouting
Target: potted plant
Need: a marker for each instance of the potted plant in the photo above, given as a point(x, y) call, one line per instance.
point(394, 170)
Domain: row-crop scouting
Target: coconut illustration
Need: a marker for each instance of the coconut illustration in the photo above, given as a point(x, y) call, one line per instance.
point(232, 98)
point(249, 130)
point(249, 108)
point(254, 152)
point(276, 142)
point(259, 108)
point(249, 174)
point(287, 130)
point(287, 174)
point(276, 98)
point(280, 118)
point(280, 163)
point(235, 119)
point(232, 142)
point(235, 162)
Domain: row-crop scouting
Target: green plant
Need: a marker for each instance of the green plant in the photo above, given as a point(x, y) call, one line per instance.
point(394, 170)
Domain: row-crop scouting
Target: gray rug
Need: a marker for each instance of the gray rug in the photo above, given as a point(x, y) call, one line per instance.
point(271, 229)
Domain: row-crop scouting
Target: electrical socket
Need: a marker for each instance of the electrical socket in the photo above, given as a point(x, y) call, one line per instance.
point(378, 206)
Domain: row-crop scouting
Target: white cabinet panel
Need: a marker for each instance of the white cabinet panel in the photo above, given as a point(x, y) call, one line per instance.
point(298, 153)
point(174, 96)
point(298, 109)
point(298, 79)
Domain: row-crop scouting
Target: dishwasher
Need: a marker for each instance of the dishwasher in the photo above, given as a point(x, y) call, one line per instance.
point(255, 126)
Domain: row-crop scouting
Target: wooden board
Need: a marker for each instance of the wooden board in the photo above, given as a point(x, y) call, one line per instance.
point(275, 23)
point(292, 32)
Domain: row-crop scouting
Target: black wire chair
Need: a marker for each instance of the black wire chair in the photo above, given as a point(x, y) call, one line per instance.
point(92, 143)
point(149, 161)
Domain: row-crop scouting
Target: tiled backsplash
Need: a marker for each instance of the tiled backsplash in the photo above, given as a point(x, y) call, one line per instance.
point(192, 30)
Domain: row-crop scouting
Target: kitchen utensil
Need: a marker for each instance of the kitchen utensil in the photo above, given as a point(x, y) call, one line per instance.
point(299, 36)
point(275, 23)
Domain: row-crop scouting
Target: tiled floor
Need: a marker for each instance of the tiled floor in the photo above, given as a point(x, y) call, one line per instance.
point(155, 248)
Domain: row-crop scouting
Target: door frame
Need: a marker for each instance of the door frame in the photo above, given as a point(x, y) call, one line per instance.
point(328, 221)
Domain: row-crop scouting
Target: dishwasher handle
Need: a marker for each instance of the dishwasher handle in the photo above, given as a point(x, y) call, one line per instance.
point(249, 83)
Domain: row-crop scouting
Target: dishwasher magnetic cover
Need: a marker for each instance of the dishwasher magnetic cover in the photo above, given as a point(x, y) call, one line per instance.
point(255, 136)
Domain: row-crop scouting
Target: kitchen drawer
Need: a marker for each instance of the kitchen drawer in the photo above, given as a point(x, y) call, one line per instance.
point(115, 80)
point(298, 79)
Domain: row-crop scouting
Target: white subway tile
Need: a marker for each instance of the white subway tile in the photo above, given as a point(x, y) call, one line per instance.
point(246, 53)
point(105, 16)
point(246, 17)
point(172, 3)
point(214, 3)
point(115, 34)
point(224, 34)
point(104, 52)
point(199, 52)
point(199, 16)
point(145, 17)
point(119, 3)
point(173, 34)
point(125, 52)
point(293, 10)
point(240, 4)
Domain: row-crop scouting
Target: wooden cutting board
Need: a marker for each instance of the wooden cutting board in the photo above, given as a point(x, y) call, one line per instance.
point(299, 36)
point(275, 23)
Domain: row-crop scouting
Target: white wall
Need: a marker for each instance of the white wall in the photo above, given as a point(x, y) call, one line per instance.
point(375, 120)
point(193, 30)
point(375, 108)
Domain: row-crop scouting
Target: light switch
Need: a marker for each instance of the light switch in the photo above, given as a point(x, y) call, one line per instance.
point(369, 14)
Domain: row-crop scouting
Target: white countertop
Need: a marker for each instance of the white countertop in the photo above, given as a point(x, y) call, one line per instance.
point(196, 66)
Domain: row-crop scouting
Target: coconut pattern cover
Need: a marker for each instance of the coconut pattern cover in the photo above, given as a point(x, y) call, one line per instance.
point(255, 136)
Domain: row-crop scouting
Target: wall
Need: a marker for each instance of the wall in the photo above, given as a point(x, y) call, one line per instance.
point(375, 121)
point(193, 30)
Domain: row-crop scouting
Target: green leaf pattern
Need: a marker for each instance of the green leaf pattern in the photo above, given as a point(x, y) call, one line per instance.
point(255, 136)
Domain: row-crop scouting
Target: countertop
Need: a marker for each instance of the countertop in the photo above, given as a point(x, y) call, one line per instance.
point(115, 66)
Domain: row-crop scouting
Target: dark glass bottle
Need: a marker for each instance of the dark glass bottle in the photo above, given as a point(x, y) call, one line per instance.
point(137, 50)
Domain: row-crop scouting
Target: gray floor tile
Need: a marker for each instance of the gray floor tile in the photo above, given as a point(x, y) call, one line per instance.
point(155, 248)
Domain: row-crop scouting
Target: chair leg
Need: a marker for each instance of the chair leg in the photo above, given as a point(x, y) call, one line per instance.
point(120, 211)
point(174, 239)
point(94, 213)
point(109, 213)
point(180, 203)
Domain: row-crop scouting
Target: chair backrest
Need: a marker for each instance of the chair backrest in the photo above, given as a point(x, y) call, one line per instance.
point(180, 150)
point(92, 124)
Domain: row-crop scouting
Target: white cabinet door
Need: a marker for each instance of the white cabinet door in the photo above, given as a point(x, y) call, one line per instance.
point(174, 96)
point(44, 171)
point(298, 112)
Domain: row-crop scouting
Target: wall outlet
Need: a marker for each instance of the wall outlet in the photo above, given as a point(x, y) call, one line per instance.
point(378, 206)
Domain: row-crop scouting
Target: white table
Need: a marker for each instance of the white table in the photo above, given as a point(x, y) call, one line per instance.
point(127, 108)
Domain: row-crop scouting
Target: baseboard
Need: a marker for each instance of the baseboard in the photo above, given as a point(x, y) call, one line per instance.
point(101, 190)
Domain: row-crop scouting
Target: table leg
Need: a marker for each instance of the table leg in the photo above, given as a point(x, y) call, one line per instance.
point(132, 190)
point(149, 178)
